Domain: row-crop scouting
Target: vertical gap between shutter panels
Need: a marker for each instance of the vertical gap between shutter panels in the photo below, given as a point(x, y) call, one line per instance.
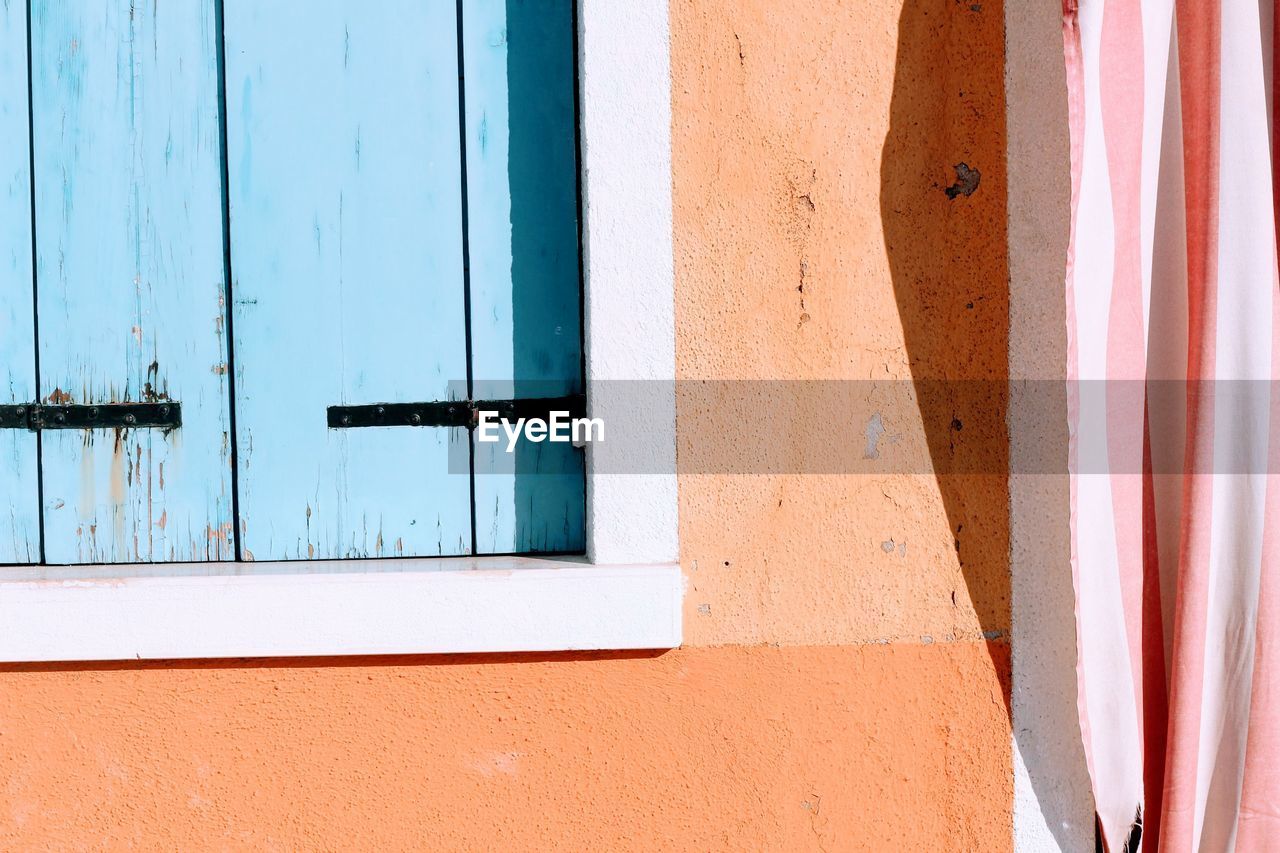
point(220, 49)
point(35, 292)
point(466, 269)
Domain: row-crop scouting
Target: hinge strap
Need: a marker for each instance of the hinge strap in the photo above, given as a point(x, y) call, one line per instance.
point(452, 413)
point(41, 416)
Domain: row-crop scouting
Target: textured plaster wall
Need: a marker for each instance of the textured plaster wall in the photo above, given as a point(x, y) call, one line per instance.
point(815, 238)
point(814, 142)
point(832, 695)
point(730, 748)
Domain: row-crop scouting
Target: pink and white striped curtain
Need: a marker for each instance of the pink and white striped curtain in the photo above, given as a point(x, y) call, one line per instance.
point(1172, 282)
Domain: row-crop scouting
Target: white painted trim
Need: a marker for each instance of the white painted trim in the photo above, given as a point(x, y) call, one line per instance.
point(625, 79)
point(627, 595)
point(568, 607)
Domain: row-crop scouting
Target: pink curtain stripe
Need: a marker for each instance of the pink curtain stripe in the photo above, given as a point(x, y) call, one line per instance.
point(1123, 91)
point(1197, 24)
point(1259, 820)
point(1172, 276)
point(1073, 51)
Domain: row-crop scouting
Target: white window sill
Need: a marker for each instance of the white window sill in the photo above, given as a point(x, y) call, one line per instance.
point(493, 604)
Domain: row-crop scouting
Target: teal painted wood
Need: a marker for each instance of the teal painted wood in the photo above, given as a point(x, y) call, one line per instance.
point(346, 236)
point(522, 176)
point(129, 264)
point(20, 507)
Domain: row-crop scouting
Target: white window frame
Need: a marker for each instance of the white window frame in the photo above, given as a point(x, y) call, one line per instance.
point(626, 594)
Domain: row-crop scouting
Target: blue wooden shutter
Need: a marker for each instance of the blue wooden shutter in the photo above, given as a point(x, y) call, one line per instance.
point(130, 276)
point(346, 252)
point(20, 518)
point(342, 160)
point(522, 191)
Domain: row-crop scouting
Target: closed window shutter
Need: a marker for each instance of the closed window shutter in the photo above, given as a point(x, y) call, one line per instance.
point(341, 162)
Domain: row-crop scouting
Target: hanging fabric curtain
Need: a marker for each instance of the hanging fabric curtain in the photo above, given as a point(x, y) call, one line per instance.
point(1172, 305)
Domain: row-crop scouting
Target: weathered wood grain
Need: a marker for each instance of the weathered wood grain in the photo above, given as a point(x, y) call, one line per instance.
point(129, 264)
point(20, 508)
point(346, 236)
point(525, 295)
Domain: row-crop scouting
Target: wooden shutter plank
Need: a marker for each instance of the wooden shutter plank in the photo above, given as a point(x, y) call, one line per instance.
point(346, 234)
point(523, 232)
point(129, 261)
point(19, 508)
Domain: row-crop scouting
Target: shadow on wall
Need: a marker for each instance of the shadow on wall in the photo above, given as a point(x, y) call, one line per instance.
point(980, 296)
point(942, 205)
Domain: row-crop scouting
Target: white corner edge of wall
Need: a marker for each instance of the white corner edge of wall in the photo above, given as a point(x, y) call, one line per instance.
point(1052, 799)
point(626, 595)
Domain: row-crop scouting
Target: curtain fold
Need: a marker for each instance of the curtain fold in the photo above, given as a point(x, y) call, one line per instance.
point(1173, 312)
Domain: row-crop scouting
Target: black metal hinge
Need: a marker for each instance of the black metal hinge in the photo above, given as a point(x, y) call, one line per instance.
point(40, 416)
point(452, 413)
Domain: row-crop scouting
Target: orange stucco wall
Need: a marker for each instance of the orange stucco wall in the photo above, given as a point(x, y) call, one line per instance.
point(833, 694)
